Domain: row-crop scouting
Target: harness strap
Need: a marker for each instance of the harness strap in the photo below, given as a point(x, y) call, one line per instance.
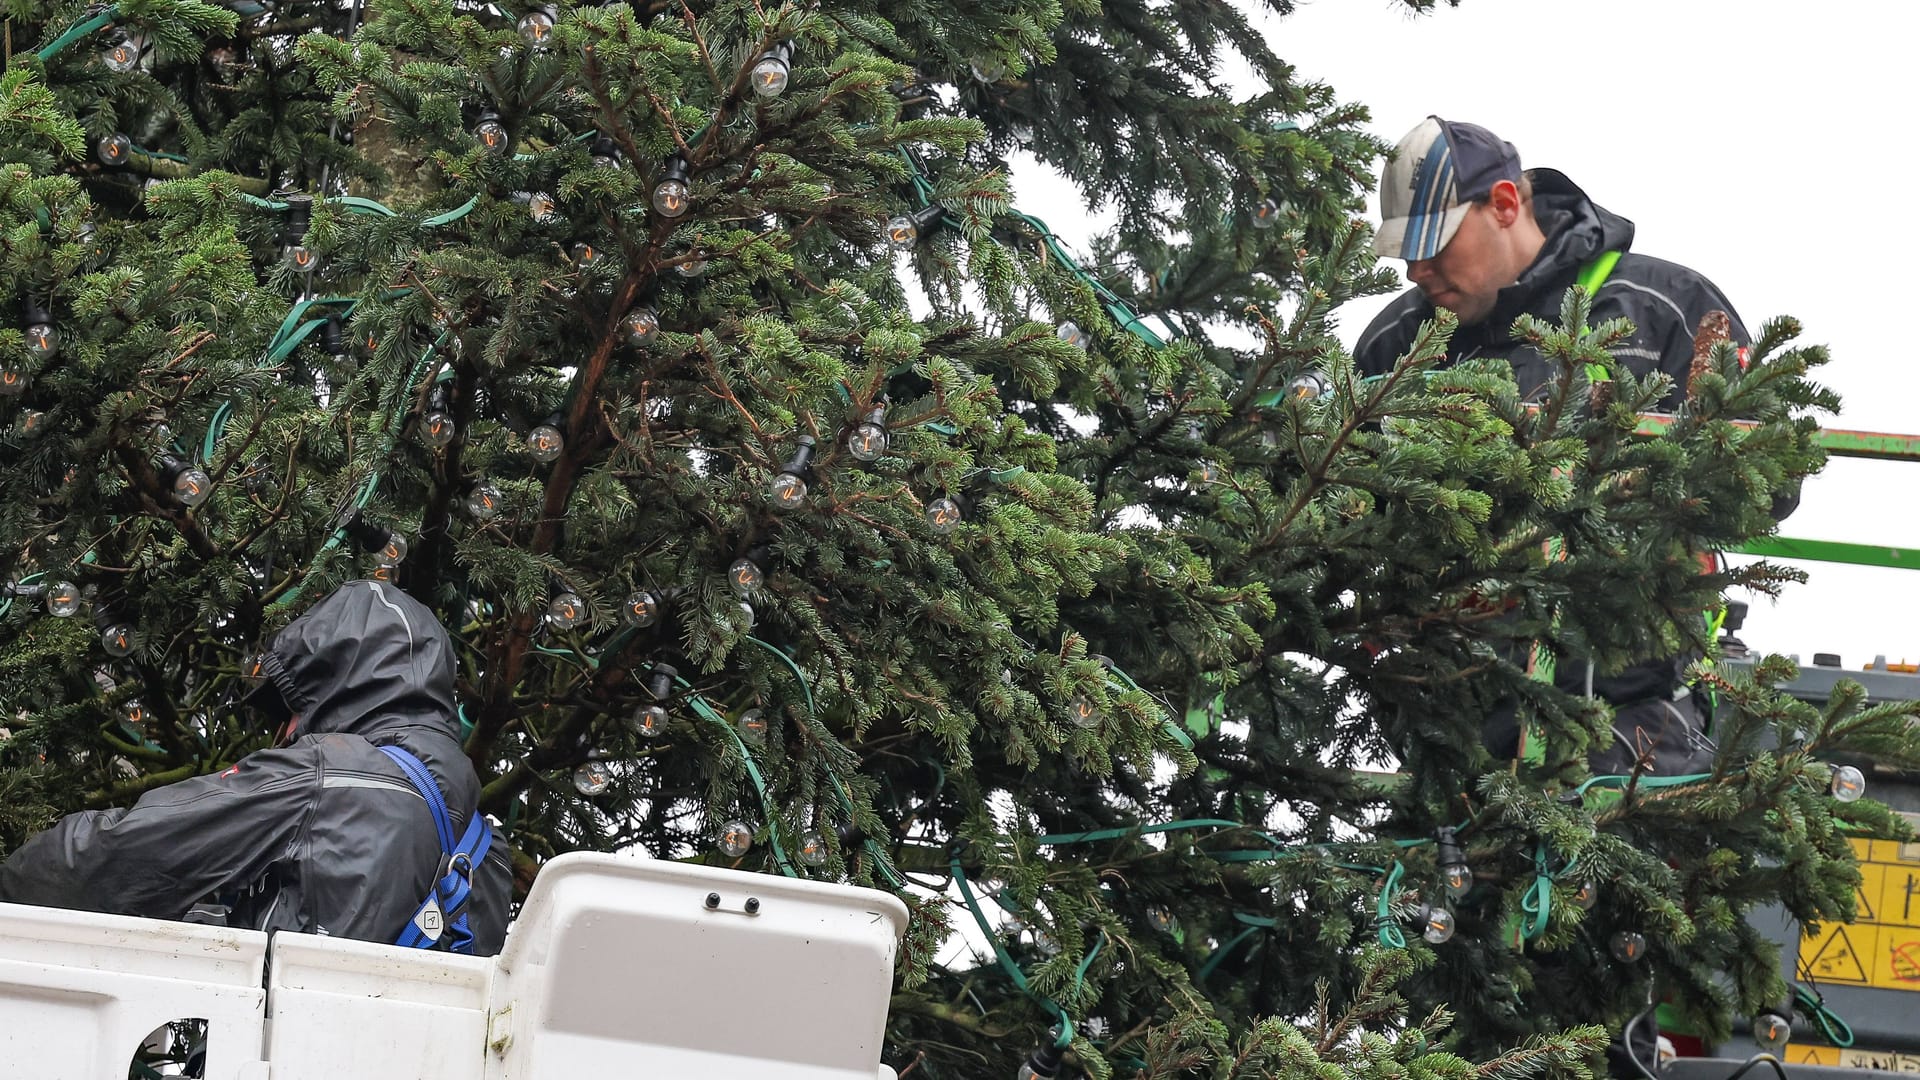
point(444, 911)
point(1592, 276)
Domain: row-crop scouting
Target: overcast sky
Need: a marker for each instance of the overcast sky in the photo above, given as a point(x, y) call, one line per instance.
point(1759, 142)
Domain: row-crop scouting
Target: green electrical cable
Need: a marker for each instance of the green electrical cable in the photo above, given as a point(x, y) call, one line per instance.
point(78, 31)
point(1179, 735)
point(707, 712)
point(1019, 978)
point(1812, 1003)
point(1538, 901)
point(1384, 924)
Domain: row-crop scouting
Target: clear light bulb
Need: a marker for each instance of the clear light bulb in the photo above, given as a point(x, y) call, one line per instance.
point(1161, 919)
point(869, 441)
point(124, 55)
point(42, 341)
point(1628, 946)
point(13, 381)
point(1437, 925)
point(650, 721)
point(566, 611)
point(545, 443)
point(752, 726)
point(813, 848)
point(542, 208)
point(943, 514)
point(1266, 214)
point(393, 552)
point(117, 639)
point(734, 839)
point(1587, 895)
point(436, 429)
point(1307, 386)
point(63, 599)
point(671, 199)
point(789, 491)
point(902, 233)
point(1070, 332)
point(1848, 783)
point(604, 161)
point(113, 149)
point(492, 135)
point(1209, 473)
point(227, 61)
point(302, 258)
point(988, 69)
point(692, 266)
point(1771, 1031)
point(253, 669)
point(1082, 713)
point(592, 778)
point(536, 28)
point(585, 254)
point(744, 577)
point(1458, 878)
point(134, 715)
point(642, 326)
point(192, 485)
point(642, 609)
point(31, 418)
point(483, 502)
point(770, 76)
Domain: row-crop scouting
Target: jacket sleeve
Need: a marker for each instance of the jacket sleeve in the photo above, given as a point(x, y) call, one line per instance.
point(175, 845)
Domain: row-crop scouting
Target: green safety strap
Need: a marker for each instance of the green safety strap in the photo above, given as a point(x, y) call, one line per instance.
point(1592, 276)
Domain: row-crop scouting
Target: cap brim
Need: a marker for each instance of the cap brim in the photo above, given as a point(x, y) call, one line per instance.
point(1419, 236)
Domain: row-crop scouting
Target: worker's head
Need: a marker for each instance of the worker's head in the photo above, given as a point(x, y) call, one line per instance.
point(1457, 207)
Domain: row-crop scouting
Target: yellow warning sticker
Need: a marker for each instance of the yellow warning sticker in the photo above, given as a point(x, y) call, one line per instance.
point(1882, 948)
point(1853, 1059)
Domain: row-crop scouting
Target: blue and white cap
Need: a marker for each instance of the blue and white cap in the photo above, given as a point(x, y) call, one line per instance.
point(1434, 177)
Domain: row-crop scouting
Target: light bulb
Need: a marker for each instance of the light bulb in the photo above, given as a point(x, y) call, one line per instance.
point(13, 381)
point(902, 233)
point(770, 76)
point(227, 61)
point(117, 639)
point(63, 599)
point(813, 848)
point(1771, 1031)
point(604, 161)
point(642, 325)
point(1266, 214)
point(649, 721)
point(545, 443)
point(747, 617)
point(42, 341)
point(1437, 925)
point(566, 611)
point(1209, 473)
point(436, 429)
point(744, 577)
point(752, 726)
point(671, 199)
point(31, 418)
point(302, 258)
point(1082, 713)
point(542, 208)
point(1162, 919)
point(492, 135)
point(113, 149)
point(1070, 332)
point(1848, 783)
point(734, 839)
point(1459, 879)
point(642, 609)
point(1628, 946)
point(483, 502)
point(253, 669)
point(591, 778)
point(1307, 386)
point(1452, 862)
point(1587, 895)
point(789, 491)
point(869, 441)
point(585, 254)
point(192, 485)
point(988, 69)
point(393, 551)
point(134, 715)
point(536, 28)
point(691, 266)
point(943, 514)
point(124, 55)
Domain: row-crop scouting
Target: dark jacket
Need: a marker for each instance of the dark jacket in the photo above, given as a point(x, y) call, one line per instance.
point(322, 836)
point(1664, 301)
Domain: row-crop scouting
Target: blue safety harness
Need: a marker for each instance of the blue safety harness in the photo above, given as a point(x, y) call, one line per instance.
point(444, 911)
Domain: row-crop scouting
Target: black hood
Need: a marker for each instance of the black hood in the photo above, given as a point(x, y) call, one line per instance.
point(367, 660)
point(1576, 231)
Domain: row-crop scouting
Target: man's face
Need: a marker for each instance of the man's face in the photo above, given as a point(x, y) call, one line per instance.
point(1468, 274)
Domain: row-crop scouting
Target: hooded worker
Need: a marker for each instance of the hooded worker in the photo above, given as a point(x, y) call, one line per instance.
point(324, 834)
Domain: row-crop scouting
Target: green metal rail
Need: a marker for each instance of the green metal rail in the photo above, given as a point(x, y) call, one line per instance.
point(1874, 445)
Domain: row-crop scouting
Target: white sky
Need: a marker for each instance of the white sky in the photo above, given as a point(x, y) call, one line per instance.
point(1758, 142)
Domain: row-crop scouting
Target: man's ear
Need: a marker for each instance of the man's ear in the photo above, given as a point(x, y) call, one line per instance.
point(1504, 201)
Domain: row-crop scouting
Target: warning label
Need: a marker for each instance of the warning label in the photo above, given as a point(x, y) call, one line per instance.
point(1853, 1059)
point(1882, 948)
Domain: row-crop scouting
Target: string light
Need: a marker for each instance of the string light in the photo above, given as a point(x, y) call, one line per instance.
point(436, 426)
point(1043, 1063)
point(691, 265)
point(642, 326)
point(36, 322)
point(1162, 919)
point(545, 442)
point(542, 208)
point(734, 839)
point(813, 848)
point(483, 502)
point(299, 217)
point(1848, 783)
point(492, 133)
point(745, 576)
point(1307, 386)
point(642, 609)
point(1070, 332)
point(605, 154)
point(752, 726)
point(771, 73)
point(392, 552)
point(536, 26)
point(118, 639)
point(944, 514)
point(190, 483)
point(1452, 862)
point(584, 254)
point(671, 196)
point(1082, 713)
point(905, 230)
point(1587, 895)
point(566, 611)
point(63, 599)
point(1265, 214)
point(114, 149)
point(13, 381)
point(125, 53)
point(228, 61)
point(869, 438)
point(649, 721)
point(1771, 1031)
point(1436, 924)
point(789, 485)
point(1628, 946)
point(592, 778)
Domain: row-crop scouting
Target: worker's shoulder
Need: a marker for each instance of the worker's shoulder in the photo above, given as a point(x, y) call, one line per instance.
point(1662, 285)
point(1390, 332)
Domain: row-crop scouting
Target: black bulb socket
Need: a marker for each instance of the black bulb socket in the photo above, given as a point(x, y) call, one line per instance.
point(299, 217)
point(32, 313)
point(673, 168)
point(1044, 1062)
point(802, 458)
point(660, 681)
point(333, 337)
point(605, 147)
point(925, 218)
point(368, 535)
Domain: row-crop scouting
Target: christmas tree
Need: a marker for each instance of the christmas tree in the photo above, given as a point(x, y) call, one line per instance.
point(1101, 596)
